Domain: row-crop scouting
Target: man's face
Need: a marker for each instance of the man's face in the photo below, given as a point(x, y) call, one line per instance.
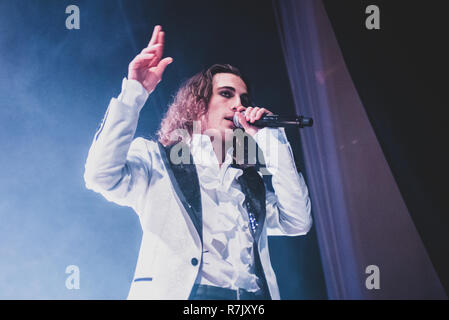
point(226, 94)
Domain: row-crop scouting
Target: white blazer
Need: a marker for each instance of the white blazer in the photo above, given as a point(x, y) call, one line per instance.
point(131, 173)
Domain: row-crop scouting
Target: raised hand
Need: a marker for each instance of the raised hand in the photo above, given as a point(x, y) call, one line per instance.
point(148, 66)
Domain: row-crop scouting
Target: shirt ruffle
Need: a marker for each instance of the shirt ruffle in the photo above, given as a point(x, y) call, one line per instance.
point(227, 240)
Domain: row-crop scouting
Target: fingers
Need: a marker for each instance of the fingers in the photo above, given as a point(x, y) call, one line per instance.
point(155, 35)
point(156, 44)
point(243, 121)
point(155, 48)
point(248, 113)
point(142, 60)
point(148, 66)
point(162, 65)
point(260, 113)
point(161, 40)
point(160, 47)
point(255, 113)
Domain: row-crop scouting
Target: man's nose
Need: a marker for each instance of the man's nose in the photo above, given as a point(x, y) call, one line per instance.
point(237, 104)
point(234, 107)
point(238, 108)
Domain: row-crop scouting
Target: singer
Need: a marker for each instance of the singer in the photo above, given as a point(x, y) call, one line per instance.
point(205, 221)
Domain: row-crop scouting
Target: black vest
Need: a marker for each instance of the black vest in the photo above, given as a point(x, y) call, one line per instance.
point(184, 179)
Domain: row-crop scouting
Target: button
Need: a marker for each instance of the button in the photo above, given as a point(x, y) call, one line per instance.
point(194, 261)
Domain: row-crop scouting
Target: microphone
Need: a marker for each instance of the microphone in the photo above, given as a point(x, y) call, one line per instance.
point(274, 121)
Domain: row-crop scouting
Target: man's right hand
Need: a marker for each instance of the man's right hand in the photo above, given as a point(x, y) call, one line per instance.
point(147, 67)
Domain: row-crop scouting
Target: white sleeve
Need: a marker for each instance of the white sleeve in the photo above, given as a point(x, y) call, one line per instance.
point(117, 166)
point(288, 208)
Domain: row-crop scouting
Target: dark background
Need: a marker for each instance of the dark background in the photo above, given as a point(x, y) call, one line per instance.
point(400, 73)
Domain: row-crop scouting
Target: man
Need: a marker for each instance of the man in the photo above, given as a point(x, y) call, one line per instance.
point(205, 219)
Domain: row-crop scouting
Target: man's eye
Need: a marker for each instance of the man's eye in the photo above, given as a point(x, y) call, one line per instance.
point(226, 94)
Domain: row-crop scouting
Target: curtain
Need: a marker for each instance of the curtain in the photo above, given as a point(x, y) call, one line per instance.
point(361, 219)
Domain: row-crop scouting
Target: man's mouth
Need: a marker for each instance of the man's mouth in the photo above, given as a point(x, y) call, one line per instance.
point(232, 120)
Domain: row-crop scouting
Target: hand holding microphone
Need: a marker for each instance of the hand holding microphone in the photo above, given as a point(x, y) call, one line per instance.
point(261, 117)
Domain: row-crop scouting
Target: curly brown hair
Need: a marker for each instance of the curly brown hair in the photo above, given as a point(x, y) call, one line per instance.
point(191, 102)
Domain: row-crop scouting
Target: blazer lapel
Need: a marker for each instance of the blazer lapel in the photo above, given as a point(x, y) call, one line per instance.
point(185, 181)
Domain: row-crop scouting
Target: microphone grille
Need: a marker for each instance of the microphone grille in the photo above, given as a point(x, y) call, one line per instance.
point(236, 121)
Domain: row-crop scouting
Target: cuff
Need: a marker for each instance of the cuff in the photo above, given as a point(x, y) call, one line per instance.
point(133, 94)
point(275, 147)
point(267, 135)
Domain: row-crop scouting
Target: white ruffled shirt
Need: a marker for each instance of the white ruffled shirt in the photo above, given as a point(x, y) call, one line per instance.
point(228, 259)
